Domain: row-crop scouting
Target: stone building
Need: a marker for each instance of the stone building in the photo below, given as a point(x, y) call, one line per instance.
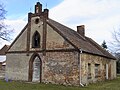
point(47, 51)
point(3, 51)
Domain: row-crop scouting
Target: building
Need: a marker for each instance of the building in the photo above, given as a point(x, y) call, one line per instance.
point(47, 51)
point(3, 51)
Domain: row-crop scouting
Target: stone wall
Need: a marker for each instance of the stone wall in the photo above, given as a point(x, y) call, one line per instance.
point(57, 67)
point(2, 74)
point(92, 60)
point(17, 66)
point(61, 68)
point(20, 44)
point(53, 39)
point(36, 27)
point(56, 41)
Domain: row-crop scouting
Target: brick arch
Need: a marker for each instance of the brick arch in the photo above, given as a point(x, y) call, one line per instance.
point(30, 75)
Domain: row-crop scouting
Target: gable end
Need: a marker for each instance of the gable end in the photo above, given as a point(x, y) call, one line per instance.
point(17, 37)
point(54, 28)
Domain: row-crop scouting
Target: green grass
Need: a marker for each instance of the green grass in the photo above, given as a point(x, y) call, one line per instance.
point(107, 85)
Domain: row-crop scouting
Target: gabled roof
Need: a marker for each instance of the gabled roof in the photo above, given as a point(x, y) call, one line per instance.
point(84, 43)
point(78, 41)
point(4, 49)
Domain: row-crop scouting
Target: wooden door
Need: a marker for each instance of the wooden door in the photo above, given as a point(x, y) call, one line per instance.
point(36, 70)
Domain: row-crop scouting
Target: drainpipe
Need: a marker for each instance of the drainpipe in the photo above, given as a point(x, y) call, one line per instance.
point(79, 61)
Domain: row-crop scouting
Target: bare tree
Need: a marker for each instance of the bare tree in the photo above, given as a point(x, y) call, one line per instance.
point(116, 41)
point(115, 47)
point(4, 33)
point(117, 55)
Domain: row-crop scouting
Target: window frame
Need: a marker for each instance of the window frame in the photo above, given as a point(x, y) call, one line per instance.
point(97, 70)
point(89, 71)
point(36, 40)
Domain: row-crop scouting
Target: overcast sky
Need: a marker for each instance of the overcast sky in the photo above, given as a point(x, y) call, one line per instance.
point(100, 17)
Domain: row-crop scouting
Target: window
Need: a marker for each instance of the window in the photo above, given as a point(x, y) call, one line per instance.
point(36, 40)
point(37, 21)
point(97, 70)
point(89, 70)
point(105, 70)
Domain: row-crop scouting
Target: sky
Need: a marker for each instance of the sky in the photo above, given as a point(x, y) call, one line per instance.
point(100, 17)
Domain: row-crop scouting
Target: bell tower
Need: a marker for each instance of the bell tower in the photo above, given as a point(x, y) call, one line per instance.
point(38, 8)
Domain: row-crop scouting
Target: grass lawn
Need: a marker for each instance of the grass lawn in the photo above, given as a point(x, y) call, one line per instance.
point(107, 85)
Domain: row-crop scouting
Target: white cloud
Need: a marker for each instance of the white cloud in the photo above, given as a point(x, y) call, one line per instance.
point(99, 16)
point(16, 26)
point(2, 58)
point(3, 42)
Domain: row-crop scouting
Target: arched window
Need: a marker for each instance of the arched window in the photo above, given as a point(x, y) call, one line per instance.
point(36, 40)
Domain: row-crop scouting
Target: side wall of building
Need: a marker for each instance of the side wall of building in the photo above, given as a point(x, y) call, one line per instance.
point(59, 63)
point(17, 65)
point(61, 68)
point(97, 68)
point(57, 67)
point(20, 44)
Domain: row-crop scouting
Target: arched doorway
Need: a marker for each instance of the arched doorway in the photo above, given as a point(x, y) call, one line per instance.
point(35, 68)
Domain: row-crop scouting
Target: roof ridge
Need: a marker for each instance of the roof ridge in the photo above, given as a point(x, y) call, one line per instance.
point(105, 53)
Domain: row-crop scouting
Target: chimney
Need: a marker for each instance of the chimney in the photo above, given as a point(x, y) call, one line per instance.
point(46, 13)
point(38, 8)
point(81, 30)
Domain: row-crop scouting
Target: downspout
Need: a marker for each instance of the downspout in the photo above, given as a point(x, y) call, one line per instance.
point(79, 66)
